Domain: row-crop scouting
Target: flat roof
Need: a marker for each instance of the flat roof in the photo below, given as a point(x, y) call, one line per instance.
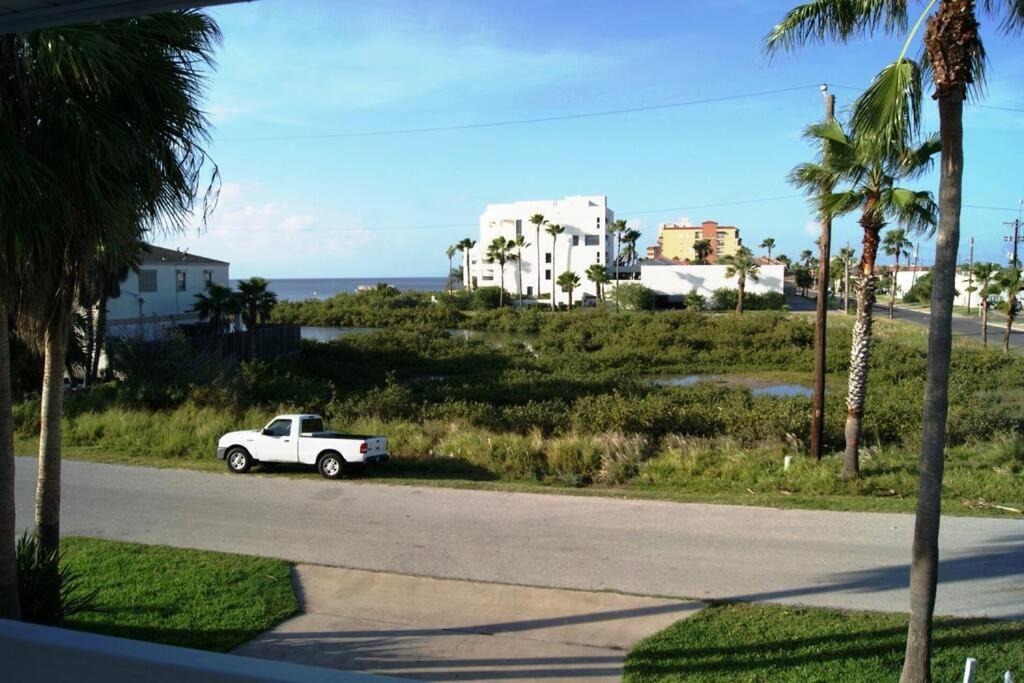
point(18, 16)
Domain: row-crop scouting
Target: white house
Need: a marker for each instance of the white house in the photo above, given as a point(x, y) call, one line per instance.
point(905, 279)
point(674, 280)
point(584, 243)
point(162, 292)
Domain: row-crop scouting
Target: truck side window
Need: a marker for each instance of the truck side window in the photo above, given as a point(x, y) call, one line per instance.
point(311, 425)
point(279, 428)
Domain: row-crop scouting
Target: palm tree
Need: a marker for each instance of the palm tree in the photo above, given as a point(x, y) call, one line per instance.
point(538, 221)
point(520, 244)
point(450, 253)
point(120, 140)
point(784, 260)
point(569, 281)
point(465, 245)
point(806, 256)
point(110, 271)
point(741, 265)
point(255, 302)
point(846, 254)
point(598, 274)
point(701, 251)
point(769, 244)
point(616, 228)
point(1010, 283)
point(553, 229)
point(954, 50)
point(872, 172)
point(985, 275)
point(212, 305)
point(500, 251)
point(630, 237)
point(895, 243)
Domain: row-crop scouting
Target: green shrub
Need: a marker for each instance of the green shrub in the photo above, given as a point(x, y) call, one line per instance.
point(48, 590)
point(633, 296)
point(573, 459)
point(725, 299)
point(920, 291)
point(486, 298)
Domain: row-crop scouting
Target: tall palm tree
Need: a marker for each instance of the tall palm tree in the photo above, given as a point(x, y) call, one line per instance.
point(985, 275)
point(450, 253)
point(631, 237)
point(569, 281)
point(956, 57)
point(553, 229)
point(616, 228)
point(110, 271)
point(701, 251)
point(769, 244)
point(598, 274)
point(466, 245)
point(741, 265)
point(500, 251)
point(846, 254)
point(109, 181)
point(872, 171)
point(895, 243)
point(785, 261)
point(538, 221)
point(806, 256)
point(520, 244)
point(256, 302)
point(1010, 284)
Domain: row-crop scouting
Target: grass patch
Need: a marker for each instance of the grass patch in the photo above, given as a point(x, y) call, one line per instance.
point(191, 598)
point(741, 642)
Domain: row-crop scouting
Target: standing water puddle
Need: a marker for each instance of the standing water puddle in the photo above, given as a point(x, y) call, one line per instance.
point(758, 387)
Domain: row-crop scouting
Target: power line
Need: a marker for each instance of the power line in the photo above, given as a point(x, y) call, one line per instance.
point(973, 104)
point(519, 122)
point(717, 204)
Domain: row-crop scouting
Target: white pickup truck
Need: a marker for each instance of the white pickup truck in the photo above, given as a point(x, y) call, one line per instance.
point(300, 439)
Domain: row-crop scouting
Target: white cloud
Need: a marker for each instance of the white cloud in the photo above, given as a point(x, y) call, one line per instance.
point(813, 228)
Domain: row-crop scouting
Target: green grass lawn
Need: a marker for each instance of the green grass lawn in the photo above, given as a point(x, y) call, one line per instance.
point(741, 642)
point(191, 598)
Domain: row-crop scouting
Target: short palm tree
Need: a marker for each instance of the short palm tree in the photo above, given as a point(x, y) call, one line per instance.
point(255, 302)
point(616, 229)
point(741, 265)
point(598, 274)
point(520, 243)
point(539, 222)
point(212, 304)
point(1010, 285)
point(450, 253)
point(871, 170)
point(785, 261)
point(984, 275)
point(701, 251)
point(569, 281)
point(768, 243)
point(956, 57)
point(806, 256)
point(553, 229)
point(896, 244)
point(501, 251)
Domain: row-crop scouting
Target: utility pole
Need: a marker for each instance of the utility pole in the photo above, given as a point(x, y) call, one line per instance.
point(821, 308)
point(846, 280)
point(917, 260)
point(970, 274)
point(1016, 239)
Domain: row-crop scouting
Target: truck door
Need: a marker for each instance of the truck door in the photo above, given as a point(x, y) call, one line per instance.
point(279, 442)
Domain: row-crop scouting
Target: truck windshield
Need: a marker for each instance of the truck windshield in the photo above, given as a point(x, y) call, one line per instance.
point(311, 425)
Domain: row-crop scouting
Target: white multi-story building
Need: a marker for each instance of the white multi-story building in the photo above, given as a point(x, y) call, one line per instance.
point(584, 242)
point(162, 292)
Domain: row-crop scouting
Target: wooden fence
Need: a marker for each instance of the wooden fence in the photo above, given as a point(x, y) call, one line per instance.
point(271, 341)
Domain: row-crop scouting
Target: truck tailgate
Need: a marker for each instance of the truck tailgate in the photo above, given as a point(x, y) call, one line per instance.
point(376, 445)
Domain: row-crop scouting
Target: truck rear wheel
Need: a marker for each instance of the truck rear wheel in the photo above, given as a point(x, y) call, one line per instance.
point(331, 465)
point(238, 460)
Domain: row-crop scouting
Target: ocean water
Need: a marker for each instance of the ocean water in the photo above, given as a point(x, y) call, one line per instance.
point(298, 289)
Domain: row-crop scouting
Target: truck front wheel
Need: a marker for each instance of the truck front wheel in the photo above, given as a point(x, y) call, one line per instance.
point(238, 460)
point(331, 465)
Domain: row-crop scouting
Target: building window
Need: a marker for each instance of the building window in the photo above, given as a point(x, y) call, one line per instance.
point(547, 274)
point(599, 221)
point(575, 240)
point(147, 280)
point(529, 290)
point(519, 227)
point(207, 279)
point(591, 240)
point(179, 280)
point(547, 257)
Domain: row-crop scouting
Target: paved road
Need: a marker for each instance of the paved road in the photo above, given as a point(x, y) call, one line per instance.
point(847, 560)
point(963, 326)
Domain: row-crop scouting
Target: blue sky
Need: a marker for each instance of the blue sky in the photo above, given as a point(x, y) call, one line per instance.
point(333, 207)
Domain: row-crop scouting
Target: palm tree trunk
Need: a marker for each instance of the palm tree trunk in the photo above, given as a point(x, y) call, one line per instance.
point(925, 554)
point(55, 343)
point(618, 250)
point(892, 288)
point(554, 243)
point(860, 348)
point(101, 339)
point(501, 286)
point(1010, 311)
point(742, 284)
point(9, 605)
point(90, 344)
point(984, 325)
point(519, 276)
point(538, 267)
point(448, 280)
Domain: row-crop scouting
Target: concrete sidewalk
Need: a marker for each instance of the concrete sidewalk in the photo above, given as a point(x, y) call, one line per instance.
point(442, 630)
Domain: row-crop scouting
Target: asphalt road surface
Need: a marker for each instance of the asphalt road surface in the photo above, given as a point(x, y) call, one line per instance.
point(963, 326)
point(845, 560)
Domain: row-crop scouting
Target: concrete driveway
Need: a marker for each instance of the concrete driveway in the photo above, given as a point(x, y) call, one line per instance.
point(443, 630)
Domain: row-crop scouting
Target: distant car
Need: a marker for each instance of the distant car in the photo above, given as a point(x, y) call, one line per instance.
point(301, 439)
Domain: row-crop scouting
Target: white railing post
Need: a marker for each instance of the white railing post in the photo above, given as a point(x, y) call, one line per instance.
point(970, 668)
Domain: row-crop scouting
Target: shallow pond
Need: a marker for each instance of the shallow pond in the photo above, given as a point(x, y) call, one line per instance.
point(757, 386)
point(331, 333)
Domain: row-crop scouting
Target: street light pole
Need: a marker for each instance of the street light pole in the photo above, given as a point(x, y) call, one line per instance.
point(821, 307)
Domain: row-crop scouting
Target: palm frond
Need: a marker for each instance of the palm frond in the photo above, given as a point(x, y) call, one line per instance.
point(1013, 20)
point(917, 161)
point(821, 20)
point(914, 209)
point(888, 112)
point(839, 203)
